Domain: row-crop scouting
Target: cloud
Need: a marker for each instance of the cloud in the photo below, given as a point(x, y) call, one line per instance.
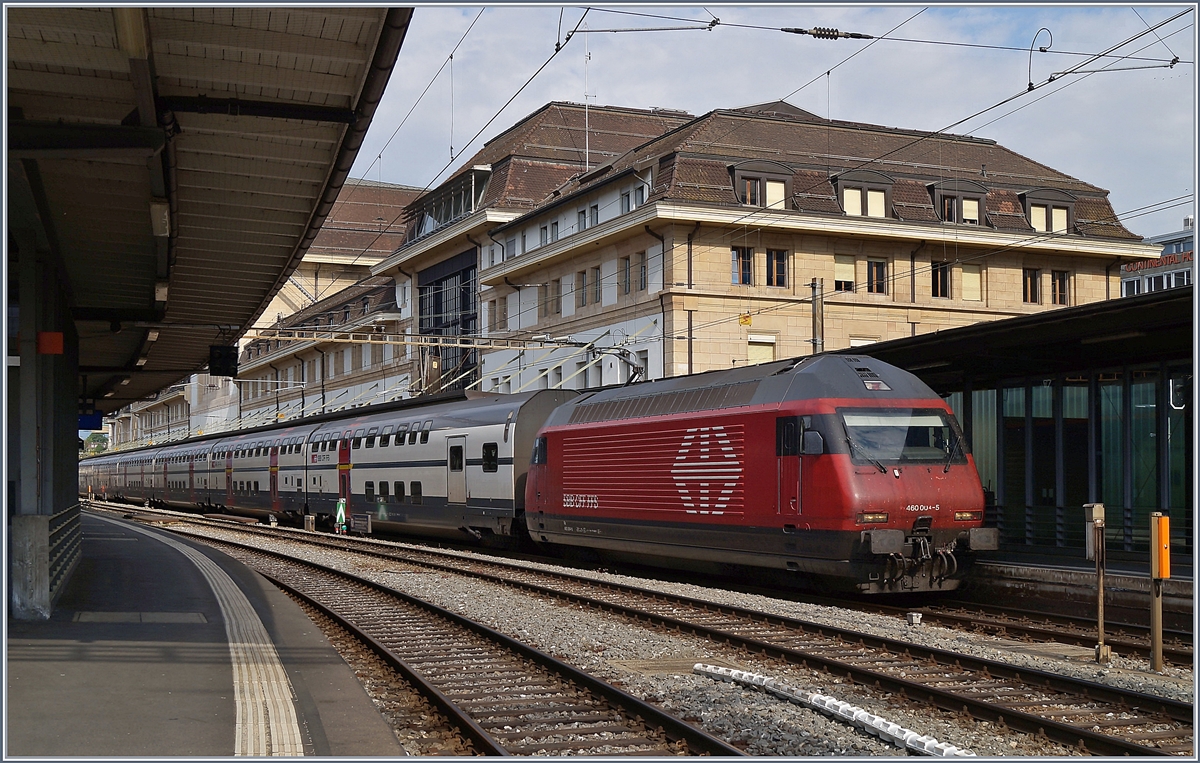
point(1131, 132)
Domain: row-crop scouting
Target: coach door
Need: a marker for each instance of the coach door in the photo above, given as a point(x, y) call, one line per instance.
point(344, 467)
point(456, 471)
point(273, 480)
point(787, 458)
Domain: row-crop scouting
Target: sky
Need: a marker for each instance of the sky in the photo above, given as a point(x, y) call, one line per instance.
point(1130, 129)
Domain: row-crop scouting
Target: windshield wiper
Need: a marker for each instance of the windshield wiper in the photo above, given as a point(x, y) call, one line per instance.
point(862, 452)
point(953, 452)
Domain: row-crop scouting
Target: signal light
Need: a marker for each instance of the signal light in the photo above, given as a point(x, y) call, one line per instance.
point(968, 516)
point(872, 518)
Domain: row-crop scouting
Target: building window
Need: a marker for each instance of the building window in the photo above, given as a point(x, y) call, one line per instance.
point(843, 272)
point(596, 285)
point(524, 247)
point(940, 276)
point(743, 265)
point(624, 202)
point(594, 214)
point(641, 267)
point(624, 273)
point(543, 308)
point(1059, 283)
point(582, 219)
point(972, 283)
point(1030, 286)
point(1048, 219)
point(1130, 288)
point(877, 276)
point(762, 184)
point(543, 235)
point(639, 196)
point(554, 231)
point(864, 202)
point(777, 261)
point(748, 191)
point(581, 288)
point(957, 209)
point(556, 295)
point(510, 249)
point(502, 314)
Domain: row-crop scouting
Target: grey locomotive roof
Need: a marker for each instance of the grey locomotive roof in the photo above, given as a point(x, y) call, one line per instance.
point(824, 376)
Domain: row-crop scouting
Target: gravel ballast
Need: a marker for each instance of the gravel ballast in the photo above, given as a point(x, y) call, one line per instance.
point(656, 666)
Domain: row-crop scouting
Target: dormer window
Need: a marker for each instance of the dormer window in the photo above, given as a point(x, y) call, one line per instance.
point(864, 193)
point(1049, 210)
point(762, 184)
point(959, 201)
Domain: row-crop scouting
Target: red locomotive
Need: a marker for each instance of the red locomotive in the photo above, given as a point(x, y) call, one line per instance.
point(842, 468)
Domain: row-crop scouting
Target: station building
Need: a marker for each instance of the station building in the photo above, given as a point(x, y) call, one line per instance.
point(695, 249)
point(1175, 266)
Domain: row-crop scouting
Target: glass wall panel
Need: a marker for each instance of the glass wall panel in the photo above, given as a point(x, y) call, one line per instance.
point(983, 437)
point(1179, 439)
point(1110, 465)
point(1044, 517)
point(1144, 441)
point(1075, 459)
point(1013, 512)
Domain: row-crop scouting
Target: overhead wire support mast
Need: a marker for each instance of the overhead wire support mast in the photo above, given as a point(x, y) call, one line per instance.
point(825, 33)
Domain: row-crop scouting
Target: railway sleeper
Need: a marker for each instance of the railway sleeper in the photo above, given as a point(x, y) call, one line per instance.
point(514, 720)
point(559, 731)
point(655, 745)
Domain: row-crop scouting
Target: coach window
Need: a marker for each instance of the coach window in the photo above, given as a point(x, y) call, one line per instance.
point(491, 456)
point(256, 486)
point(456, 458)
point(399, 491)
point(425, 432)
point(385, 436)
point(415, 491)
point(412, 435)
point(371, 436)
point(383, 491)
point(357, 442)
point(369, 489)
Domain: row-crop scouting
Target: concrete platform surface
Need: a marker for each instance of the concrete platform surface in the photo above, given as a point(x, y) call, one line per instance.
point(162, 647)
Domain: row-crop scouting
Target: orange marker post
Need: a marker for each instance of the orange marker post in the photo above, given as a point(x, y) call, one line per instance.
point(1160, 570)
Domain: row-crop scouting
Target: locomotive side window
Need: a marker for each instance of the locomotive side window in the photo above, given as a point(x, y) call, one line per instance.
point(491, 457)
point(787, 436)
point(539, 451)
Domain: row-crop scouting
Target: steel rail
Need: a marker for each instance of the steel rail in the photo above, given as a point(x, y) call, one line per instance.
point(676, 729)
point(466, 724)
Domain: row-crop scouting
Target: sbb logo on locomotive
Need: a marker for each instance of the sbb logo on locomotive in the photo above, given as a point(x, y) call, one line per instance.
point(705, 465)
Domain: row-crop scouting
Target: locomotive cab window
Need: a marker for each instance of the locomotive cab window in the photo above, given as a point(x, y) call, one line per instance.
point(491, 456)
point(903, 435)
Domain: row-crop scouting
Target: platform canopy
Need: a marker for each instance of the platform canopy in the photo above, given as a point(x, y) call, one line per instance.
point(174, 163)
point(1147, 329)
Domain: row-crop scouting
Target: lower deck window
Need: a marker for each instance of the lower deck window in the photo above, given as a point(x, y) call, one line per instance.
point(370, 490)
point(415, 491)
point(399, 491)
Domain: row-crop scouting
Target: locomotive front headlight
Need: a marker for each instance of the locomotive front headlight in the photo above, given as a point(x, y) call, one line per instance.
point(968, 516)
point(872, 518)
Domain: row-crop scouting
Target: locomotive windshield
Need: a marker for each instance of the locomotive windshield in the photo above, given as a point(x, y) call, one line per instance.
point(903, 435)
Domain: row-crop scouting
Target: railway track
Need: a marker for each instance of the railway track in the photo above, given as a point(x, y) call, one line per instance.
point(506, 697)
point(1090, 716)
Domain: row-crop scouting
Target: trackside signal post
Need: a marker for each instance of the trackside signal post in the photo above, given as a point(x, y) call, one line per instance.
point(1095, 550)
point(1160, 570)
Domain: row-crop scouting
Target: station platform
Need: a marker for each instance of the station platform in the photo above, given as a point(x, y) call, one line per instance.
point(137, 661)
point(1068, 585)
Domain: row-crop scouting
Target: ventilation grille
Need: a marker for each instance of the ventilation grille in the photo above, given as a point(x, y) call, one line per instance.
point(666, 403)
